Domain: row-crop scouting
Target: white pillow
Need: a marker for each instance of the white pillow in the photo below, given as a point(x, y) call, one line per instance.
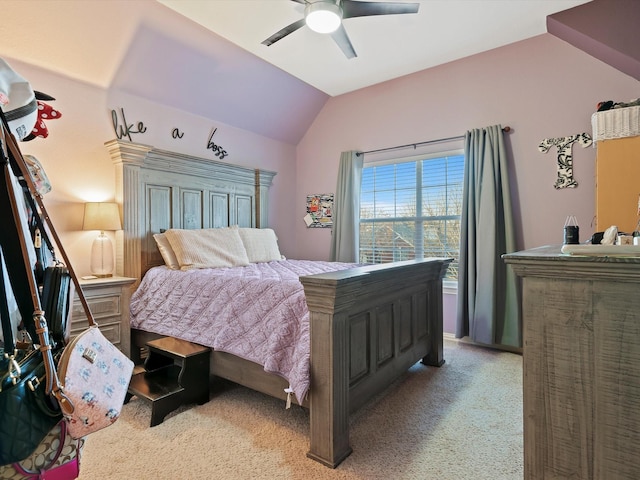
point(168, 255)
point(207, 248)
point(261, 244)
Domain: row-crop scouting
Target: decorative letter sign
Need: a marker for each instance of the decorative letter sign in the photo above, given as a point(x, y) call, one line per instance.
point(565, 156)
point(127, 129)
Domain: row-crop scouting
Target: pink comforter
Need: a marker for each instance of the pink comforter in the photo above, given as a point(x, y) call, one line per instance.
point(257, 312)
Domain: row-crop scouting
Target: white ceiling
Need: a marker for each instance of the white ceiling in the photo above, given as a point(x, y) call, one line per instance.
point(220, 70)
point(387, 46)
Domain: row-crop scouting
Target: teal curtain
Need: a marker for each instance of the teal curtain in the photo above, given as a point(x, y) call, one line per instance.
point(488, 310)
point(346, 208)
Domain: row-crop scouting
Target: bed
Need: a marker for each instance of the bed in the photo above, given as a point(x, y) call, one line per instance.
point(367, 324)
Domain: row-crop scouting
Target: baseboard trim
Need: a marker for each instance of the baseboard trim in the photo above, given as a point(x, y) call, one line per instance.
point(467, 341)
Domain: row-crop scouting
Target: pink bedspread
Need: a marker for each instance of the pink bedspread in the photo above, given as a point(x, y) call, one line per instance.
point(257, 312)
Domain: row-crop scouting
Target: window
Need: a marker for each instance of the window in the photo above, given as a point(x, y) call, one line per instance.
point(411, 209)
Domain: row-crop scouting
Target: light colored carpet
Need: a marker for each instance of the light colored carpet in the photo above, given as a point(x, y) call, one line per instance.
point(460, 421)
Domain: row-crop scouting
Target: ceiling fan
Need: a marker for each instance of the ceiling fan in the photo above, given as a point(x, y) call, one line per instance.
point(325, 16)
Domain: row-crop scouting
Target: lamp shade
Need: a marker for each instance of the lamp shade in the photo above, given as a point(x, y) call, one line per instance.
point(101, 216)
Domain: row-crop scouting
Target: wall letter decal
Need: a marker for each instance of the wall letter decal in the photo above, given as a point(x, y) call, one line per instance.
point(565, 156)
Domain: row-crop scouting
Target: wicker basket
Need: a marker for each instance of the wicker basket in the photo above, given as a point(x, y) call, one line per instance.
point(616, 123)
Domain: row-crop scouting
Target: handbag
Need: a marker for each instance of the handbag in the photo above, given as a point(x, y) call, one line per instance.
point(27, 412)
point(57, 288)
point(95, 376)
point(57, 300)
point(30, 397)
point(95, 373)
point(57, 457)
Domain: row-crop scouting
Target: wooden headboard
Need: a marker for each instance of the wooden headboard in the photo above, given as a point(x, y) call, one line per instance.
point(159, 189)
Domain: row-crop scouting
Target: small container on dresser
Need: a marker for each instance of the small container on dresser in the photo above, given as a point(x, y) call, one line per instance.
point(108, 300)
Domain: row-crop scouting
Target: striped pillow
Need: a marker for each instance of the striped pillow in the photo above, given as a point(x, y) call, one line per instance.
point(207, 248)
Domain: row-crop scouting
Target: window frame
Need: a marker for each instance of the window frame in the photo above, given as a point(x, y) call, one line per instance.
point(449, 284)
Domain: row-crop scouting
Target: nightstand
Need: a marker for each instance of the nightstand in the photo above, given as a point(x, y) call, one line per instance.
point(108, 300)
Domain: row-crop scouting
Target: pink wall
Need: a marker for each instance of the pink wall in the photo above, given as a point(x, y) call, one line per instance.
point(541, 87)
point(80, 169)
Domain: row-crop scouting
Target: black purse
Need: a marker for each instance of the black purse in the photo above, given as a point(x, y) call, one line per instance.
point(31, 398)
point(57, 299)
point(27, 412)
point(55, 282)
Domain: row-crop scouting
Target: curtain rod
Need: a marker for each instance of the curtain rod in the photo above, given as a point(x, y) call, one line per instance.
point(414, 145)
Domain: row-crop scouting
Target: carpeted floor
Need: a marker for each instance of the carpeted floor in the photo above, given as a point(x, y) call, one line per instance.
point(460, 421)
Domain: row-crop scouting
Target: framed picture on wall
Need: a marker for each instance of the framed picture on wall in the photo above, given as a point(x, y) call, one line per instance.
point(319, 211)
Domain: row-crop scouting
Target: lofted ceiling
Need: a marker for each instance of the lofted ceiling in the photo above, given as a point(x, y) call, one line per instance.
point(205, 57)
point(387, 46)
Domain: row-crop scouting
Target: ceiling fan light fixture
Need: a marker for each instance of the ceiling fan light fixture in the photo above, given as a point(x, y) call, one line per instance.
point(323, 17)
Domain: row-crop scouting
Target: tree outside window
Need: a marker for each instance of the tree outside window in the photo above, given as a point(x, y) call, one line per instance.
point(411, 209)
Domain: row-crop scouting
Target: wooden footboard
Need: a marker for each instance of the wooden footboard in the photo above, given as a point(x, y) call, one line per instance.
point(368, 326)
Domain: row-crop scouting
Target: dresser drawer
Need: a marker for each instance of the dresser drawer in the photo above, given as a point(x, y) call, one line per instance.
point(101, 306)
point(108, 300)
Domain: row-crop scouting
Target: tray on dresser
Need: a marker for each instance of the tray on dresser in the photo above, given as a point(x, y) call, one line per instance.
point(602, 250)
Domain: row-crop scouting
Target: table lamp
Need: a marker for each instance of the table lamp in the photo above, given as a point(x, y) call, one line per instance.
point(101, 216)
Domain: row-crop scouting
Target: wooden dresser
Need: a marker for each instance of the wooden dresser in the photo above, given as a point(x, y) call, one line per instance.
point(581, 360)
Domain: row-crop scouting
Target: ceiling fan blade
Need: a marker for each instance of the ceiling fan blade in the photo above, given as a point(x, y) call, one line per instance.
point(303, 2)
point(352, 8)
point(279, 35)
point(342, 39)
